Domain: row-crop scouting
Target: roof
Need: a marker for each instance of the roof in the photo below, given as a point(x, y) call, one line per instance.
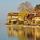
point(13, 14)
point(30, 16)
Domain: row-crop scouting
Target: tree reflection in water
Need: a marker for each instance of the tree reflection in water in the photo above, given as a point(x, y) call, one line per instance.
point(30, 36)
point(37, 38)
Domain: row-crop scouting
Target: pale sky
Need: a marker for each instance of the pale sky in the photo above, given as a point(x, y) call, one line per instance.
point(11, 5)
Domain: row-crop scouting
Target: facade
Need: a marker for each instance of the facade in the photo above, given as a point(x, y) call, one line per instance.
point(12, 20)
point(37, 20)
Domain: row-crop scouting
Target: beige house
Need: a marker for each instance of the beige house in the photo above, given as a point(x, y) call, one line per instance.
point(36, 19)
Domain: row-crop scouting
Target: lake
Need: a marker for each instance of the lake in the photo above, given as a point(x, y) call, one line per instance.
point(4, 34)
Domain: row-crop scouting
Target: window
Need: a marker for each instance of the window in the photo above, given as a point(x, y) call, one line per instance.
point(21, 22)
point(9, 21)
point(33, 21)
point(14, 22)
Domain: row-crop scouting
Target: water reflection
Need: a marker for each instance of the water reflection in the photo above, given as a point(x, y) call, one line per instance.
point(13, 38)
point(4, 34)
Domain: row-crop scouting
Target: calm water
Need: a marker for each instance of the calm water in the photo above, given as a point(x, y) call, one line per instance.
point(3, 34)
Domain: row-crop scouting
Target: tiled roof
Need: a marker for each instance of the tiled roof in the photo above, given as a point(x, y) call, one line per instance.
point(30, 16)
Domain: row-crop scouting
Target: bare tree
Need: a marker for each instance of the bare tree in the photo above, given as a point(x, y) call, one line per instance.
point(25, 6)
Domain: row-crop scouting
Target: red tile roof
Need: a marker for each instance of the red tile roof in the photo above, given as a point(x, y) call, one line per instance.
point(30, 16)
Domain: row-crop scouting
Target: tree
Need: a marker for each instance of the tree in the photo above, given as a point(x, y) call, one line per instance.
point(37, 8)
point(25, 6)
point(24, 9)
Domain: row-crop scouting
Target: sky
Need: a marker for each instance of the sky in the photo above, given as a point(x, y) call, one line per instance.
point(10, 6)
